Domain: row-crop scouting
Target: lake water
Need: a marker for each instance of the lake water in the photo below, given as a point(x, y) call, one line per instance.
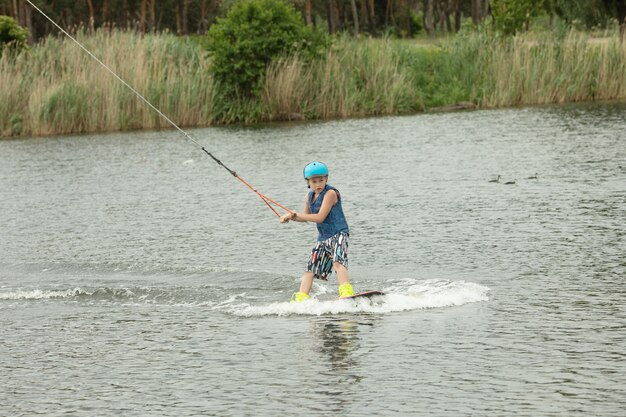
point(139, 278)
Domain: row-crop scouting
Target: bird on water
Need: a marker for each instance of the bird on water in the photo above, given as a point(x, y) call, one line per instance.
point(497, 179)
point(510, 182)
point(532, 177)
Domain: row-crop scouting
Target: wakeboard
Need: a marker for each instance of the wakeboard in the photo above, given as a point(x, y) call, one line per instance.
point(365, 294)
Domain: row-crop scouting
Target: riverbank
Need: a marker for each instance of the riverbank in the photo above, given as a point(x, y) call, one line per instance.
point(55, 88)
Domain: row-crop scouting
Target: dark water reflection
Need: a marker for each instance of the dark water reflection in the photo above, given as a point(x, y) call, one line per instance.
point(340, 340)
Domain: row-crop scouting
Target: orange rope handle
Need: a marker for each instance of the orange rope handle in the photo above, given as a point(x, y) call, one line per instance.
point(274, 202)
point(270, 206)
point(265, 198)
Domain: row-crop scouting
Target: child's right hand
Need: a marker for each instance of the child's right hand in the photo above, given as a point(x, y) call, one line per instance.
point(287, 216)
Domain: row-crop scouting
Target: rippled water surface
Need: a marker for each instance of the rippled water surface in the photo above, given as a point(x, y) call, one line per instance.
point(138, 278)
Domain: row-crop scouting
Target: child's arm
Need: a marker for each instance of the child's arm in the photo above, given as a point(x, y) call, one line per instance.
point(330, 199)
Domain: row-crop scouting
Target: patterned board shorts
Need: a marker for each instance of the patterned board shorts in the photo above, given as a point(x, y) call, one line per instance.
point(326, 252)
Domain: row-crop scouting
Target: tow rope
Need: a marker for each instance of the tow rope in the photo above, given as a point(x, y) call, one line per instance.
point(263, 197)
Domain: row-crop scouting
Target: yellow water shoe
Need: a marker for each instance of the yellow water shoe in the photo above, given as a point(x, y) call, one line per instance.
point(299, 297)
point(345, 290)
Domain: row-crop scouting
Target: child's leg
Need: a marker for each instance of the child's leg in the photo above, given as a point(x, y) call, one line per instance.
point(342, 273)
point(345, 289)
point(307, 282)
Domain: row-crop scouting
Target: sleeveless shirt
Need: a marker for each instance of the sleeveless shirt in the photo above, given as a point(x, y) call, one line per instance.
point(335, 222)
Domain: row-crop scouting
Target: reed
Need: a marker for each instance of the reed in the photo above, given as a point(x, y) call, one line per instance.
point(540, 69)
point(55, 88)
point(354, 78)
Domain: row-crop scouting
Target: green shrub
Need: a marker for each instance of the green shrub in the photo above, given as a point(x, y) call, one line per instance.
point(436, 75)
point(511, 16)
point(417, 23)
point(16, 123)
point(67, 108)
point(12, 34)
point(251, 36)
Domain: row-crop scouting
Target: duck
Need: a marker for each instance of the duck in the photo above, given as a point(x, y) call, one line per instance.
point(510, 182)
point(497, 179)
point(532, 177)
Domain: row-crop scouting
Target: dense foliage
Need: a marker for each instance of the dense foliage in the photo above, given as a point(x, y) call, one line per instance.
point(511, 16)
point(403, 18)
point(251, 36)
point(588, 13)
point(11, 34)
point(185, 17)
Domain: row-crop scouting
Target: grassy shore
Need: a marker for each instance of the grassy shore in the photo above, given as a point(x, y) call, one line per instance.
point(55, 88)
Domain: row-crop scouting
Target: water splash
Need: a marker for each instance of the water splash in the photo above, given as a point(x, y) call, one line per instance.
point(134, 295)
point(37, 294)
point(408, 294)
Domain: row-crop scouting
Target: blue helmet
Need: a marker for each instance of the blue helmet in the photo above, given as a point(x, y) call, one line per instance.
point(315, 169)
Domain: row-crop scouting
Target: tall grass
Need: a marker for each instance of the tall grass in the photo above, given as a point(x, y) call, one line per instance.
point(388, 76)
point(56, 88)
point(354, 78)
point(540, 69)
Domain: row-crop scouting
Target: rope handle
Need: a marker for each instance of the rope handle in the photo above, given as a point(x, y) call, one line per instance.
point(265, 198)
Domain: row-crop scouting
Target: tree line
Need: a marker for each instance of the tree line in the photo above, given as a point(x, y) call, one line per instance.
point(403, 18)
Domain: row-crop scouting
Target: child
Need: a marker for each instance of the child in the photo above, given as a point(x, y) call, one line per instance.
point(322, 205)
